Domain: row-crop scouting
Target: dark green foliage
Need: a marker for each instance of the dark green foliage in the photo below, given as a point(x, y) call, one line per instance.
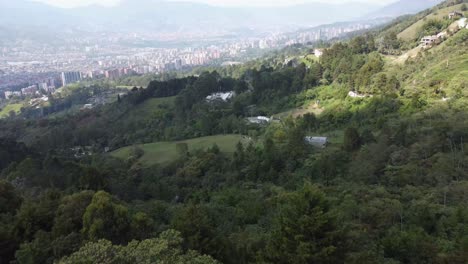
point(164, 249)
point(196, 225)
point(309, 122)
point(10, 200)
point(69, 215)
point(38, 215)
point(305, 230)
point(141, 226)
point(390, 187)
point(413, 246)
point(389, 43)
point(373, 65)
point(38, 250)
point(105, 219)
point(352, 140)
point(433, 27)
point(92, 179)
point(10, 151)
point(182, 149)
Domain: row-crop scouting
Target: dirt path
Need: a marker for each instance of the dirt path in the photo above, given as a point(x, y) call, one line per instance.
point(409, 54)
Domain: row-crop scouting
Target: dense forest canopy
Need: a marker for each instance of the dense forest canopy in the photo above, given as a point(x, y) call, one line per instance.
point(389, 186)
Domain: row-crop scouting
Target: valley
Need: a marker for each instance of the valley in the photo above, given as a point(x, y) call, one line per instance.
point(350, 150)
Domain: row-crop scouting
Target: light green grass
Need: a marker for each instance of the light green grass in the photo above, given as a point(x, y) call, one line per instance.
point(151, 104)
point(5, 112)
point(335, 137)
point(164, 152)
point(149, 109)
point(411, 32)
point(309, 107)
point(446, 70)
point(309, 60)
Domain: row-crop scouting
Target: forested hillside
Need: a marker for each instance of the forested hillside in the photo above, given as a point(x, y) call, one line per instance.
point(164, 174)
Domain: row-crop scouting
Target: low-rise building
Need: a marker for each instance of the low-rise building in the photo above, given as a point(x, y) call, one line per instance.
point(30, 90)
point(442, 35)
point(10, 94)
point(220, 96)
point(80, 152)
point(259, 120)
point(318, 53)
point(36, 102)
point(455, 14)
point(87, 107)
point(319, 142)
point(70, 77)
point(355, 95)
point(428, 41)
point(462, 23)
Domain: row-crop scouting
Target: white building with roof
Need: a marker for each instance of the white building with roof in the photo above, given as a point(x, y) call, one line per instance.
point(318, 53)
point(259, 120)
point(462, 23)
point(428, 41)
point(319, 142)
point(220, 96)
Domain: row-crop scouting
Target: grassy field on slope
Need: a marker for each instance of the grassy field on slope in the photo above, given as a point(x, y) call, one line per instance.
point(5, 112)
point(141, 114)
point(411, 32)
point(163, 152)
point(151, 104)
point(444, 70)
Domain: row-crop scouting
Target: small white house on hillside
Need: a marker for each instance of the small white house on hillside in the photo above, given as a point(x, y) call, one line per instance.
point(455, 14)
point(319, 142)
point(355, 95)
point(220, 96)
point(318, 53)
point(462, 23)
point(259, 120)
point(428, 41)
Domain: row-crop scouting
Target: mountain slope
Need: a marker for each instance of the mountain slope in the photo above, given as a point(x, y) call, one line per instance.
point(27, 13)
point(403, 7)
point(410, 33)
point(155, 15)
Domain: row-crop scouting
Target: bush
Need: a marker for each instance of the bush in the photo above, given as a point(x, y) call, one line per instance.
point(433, 27)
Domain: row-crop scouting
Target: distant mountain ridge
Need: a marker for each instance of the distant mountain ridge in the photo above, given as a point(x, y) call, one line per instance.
point(155, 15)
point(162, 16)
point(403, 7)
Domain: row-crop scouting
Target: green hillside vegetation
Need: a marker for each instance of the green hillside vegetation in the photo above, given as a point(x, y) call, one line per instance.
point(184, 186)
point(10, 108)
point(308, 60)
point(412, 32)
point(438, 73)
point(166, 152)
point(149, 106)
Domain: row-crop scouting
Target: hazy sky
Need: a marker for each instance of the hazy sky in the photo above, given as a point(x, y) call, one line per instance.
point(74, 3)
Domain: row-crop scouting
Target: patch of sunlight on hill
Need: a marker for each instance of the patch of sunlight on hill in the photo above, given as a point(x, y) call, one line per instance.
point(411, 33)
point(5, 112)
point(445, 71)
point(151, 104)
point(164, 152)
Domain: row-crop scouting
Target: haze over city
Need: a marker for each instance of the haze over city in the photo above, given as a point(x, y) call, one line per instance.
point(234, 131)
point(75, 3)
point(110, 39)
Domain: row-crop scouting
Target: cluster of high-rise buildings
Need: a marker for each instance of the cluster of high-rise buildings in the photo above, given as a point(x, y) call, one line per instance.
point(109, 58)
point(30, 91)
point(45, 86)
point(70, 77)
